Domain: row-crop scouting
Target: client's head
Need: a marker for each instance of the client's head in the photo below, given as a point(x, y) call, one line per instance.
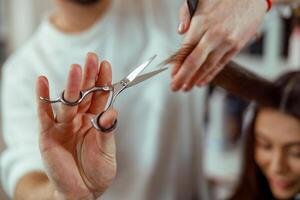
point(272, 149)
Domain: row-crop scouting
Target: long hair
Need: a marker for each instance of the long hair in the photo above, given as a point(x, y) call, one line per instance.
point(253, 184)
point(283, 95)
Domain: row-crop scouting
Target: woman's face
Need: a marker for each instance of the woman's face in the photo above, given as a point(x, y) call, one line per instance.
point(277, 151)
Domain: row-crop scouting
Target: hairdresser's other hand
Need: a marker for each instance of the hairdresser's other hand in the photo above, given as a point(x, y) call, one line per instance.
point(219, 30)
point(80, 161)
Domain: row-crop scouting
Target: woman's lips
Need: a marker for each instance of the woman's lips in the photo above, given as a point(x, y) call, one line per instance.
point(281, 184)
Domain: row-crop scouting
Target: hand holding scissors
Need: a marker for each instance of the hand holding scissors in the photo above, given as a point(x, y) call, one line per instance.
point(80, 163)
point(130, 80)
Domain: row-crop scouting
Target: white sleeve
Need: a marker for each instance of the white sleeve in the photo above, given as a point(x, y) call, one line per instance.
point(20, 125)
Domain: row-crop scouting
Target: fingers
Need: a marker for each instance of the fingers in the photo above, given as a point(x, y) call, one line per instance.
point(67, 113)
point(106, 141)
point(214, 71)
point(211, 62)
point(89, 79)
point(175, 70)
point(214, 44)
point(195, 60)
point(214, 30)
point(184, 18)
point(99, 99)
point(45, 112)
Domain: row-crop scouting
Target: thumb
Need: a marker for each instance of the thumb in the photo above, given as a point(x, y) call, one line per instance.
point(184, 18)
point(106, 141)
point(108, 118)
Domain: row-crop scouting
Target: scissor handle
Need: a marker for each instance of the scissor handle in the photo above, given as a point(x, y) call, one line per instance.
point(96, 124)
point(82, 96)
point(71, 103)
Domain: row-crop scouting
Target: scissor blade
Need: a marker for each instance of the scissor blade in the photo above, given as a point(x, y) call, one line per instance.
point(145, 77)
point(139, 69)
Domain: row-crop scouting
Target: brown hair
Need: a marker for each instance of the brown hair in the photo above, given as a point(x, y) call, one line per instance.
point(253, 184)
point(237, 80)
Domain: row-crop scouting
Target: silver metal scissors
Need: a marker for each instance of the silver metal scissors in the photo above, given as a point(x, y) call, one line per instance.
point(130, 80)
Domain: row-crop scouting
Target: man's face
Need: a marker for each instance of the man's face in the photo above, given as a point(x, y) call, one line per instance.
point(85, 2)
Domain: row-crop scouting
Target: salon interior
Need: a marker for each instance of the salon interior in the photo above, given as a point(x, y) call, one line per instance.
point(274, 51)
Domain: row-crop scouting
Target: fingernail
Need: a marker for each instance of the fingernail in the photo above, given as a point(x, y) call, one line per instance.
point(90, 54)
point(106, 64)
point(180, 27)
point(94, 57)
point(185, 87)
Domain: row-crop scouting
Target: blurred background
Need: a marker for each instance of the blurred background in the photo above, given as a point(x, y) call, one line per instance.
point(276, 49)
point(18, 20)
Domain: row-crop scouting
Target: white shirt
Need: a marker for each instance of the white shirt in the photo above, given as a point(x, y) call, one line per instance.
point(159, 132)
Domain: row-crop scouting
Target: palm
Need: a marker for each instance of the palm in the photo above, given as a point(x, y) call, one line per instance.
point(79, 160)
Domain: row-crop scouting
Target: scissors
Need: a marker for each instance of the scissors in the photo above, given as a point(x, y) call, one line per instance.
point(133, 78)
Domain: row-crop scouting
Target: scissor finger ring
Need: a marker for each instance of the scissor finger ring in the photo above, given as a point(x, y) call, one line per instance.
point(96, 124)
point(71, 103)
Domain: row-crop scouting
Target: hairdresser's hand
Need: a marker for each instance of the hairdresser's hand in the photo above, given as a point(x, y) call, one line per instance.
point(219, 30)
point(80, 161)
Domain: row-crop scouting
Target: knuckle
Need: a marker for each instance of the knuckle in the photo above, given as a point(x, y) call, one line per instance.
point(216, 30)
point(191, 63)
point(230, 42)
point(204, 21)
point(198, 51)
point(219, 31)
point(200, 21)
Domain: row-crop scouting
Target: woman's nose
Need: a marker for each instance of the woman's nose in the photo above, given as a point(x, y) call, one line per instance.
point(279, 163)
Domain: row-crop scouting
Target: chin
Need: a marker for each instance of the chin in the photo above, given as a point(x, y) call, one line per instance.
point(284, 194)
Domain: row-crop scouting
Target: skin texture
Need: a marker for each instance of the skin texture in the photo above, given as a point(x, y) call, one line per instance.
point(80, 162)
point(220, 29)
point(277, 151)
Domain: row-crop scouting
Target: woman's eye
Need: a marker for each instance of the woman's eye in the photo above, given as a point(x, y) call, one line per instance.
point(295, 154)
point(263, 145)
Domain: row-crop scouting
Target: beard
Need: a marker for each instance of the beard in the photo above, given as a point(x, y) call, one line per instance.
point(85, 2)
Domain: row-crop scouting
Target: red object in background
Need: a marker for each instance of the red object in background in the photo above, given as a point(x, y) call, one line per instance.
point(270, 3)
